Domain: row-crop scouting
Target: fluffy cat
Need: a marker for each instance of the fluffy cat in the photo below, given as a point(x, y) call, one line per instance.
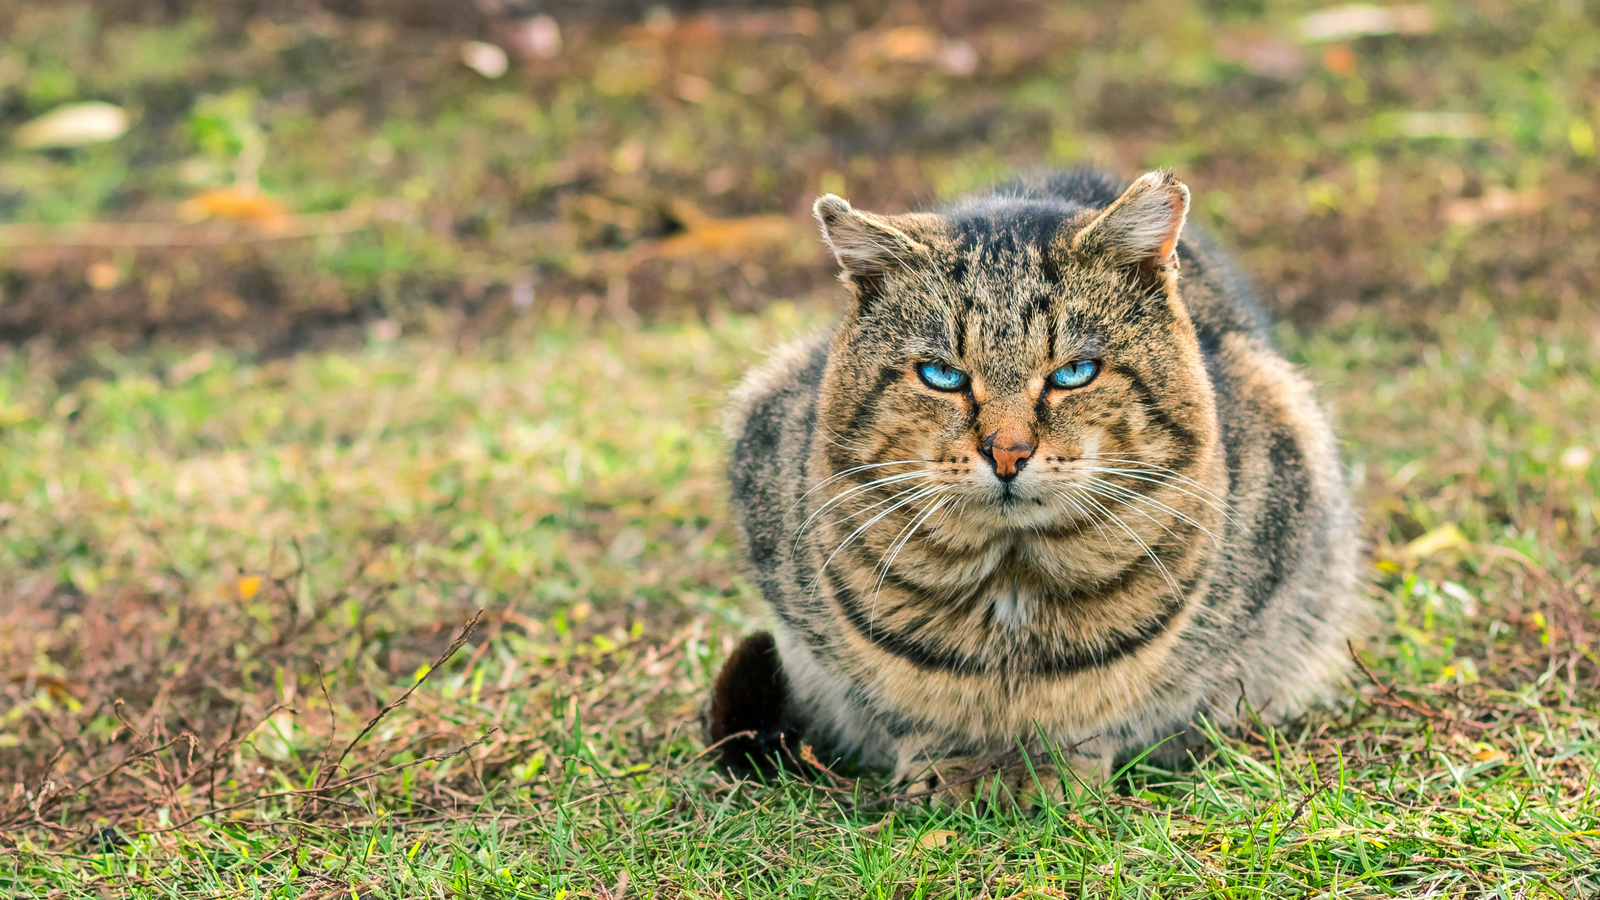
point(1032, 489)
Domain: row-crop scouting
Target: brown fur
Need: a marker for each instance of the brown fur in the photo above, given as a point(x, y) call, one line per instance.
point(955, 572)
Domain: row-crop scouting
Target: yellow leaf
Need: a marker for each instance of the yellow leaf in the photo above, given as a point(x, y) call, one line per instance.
point(908, 42)
point(235, 205)
point(732, 238)
point(1445, 537)
point(15, 414)
point(249, 586)
point(935, 839)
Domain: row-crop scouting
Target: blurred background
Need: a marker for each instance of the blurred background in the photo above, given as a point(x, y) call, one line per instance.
point(277, 173)
point(324, 323)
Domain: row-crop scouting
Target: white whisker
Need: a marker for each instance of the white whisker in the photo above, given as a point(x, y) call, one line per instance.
point(1132, 498)
point(1177, 592)
point(869, 508)
point(1172, 474)
point(854, 469)
point(895, 549)
point(1223, 508)
point(857, 490)
point(926, 492)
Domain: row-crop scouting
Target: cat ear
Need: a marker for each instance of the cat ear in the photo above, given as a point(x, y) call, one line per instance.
point(1141, 228)
point(869, 245)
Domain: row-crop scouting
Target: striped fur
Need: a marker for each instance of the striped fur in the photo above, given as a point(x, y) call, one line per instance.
point(1180, 538)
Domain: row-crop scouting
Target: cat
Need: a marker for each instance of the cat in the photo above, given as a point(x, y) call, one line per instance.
point(1046, 489)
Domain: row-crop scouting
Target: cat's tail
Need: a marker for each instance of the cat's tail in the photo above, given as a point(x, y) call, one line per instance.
point(750, 719)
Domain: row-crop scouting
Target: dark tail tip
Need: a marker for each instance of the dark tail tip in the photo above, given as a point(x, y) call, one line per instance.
point(750, 711)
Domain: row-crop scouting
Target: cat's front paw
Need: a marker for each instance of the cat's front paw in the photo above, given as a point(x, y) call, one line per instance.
point(999, 784)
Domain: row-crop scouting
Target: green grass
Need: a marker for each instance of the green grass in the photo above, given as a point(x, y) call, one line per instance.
point(239, 517)
point(568, 484)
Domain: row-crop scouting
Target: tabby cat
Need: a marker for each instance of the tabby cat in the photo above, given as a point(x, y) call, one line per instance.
point(1034, 494)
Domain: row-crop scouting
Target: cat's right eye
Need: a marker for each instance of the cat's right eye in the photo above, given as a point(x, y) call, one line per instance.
point(941, 377)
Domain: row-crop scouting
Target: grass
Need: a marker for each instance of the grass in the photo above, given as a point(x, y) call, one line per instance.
point(240, 537)
point(230, 544)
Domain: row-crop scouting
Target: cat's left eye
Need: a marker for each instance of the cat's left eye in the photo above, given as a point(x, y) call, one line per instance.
point(1075, 374)
point(942, 377)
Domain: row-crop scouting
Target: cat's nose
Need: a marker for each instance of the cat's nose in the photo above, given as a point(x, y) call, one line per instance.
point(1007, 451)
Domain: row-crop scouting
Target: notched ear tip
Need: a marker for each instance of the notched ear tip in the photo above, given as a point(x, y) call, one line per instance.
point(1141, 226)
point(864, 243)
point(1163, 183)
point(830, 207)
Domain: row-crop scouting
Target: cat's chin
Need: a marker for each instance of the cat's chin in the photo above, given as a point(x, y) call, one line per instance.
point(1012, 510)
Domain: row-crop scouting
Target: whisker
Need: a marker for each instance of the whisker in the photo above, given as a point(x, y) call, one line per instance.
point(1091, 489)
point(926, 492)
point(1170, 473)
point(895, 549)
point(1132, 498)
point(900, 542)
point(1221, 507)
point(1177, 593)
point(866, 509)
point(854, 490)
point(835, 502)
point(854, 469)
point(834, 437)
point(1085, 514)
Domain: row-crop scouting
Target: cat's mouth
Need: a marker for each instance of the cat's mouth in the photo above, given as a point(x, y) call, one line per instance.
point(1014, 498)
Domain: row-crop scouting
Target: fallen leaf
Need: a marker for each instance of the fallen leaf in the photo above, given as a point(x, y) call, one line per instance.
point(236, 205)
point(74, 125)
point(908, 42)
point(102, 276)
point(1442, 125)
point(958, 58)
point(59, 689)
point(1339, 59)
point(911, 44)
point(1355, 20)
point(226, 304)
point(484, 58)
point(694, 89)
point(934, 839)
point(1488, 752)
point(249, 586)
point(726, 237)
point(1496, 203)
point(538, 37)
point(1445, 537)
point(198, 364)
point(875, 826)
point(1576, 458)
point(662, 27)
point(1261, 53)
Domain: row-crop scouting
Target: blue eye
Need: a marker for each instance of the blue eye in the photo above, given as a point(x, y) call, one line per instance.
point(942, 377)
point(1075, 374)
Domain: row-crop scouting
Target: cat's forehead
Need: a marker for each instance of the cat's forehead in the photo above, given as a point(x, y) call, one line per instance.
point(1007, 267)
point(996, 230)
point(1009, 250)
